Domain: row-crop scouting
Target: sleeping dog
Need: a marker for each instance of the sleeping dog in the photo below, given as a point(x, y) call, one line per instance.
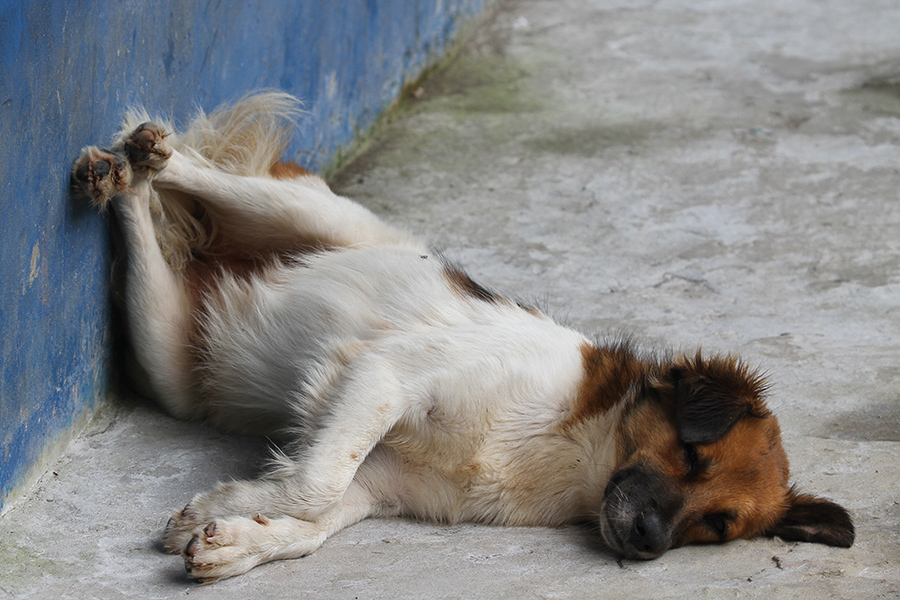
point(262, 302)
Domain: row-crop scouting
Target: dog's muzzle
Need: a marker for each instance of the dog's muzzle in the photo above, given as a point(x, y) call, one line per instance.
point(638, 512)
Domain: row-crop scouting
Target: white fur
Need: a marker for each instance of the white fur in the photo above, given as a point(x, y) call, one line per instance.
point(407, 396)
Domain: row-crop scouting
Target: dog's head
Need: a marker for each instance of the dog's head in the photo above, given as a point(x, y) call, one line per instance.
point(699, 459)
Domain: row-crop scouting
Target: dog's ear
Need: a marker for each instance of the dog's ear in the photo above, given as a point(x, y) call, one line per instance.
point(714, 394)
point(811, 519)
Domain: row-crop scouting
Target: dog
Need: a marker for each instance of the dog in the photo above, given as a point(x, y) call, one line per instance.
point(262, 302)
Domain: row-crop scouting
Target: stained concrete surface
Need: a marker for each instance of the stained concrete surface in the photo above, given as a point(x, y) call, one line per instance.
point(722, 173)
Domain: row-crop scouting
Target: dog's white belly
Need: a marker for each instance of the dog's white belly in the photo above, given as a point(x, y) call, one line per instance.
point(263, 339)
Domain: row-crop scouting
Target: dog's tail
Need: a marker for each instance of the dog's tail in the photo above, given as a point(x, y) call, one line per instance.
point(244, 138)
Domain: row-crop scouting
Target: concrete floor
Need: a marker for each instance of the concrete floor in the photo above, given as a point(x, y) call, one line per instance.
point(723, 173)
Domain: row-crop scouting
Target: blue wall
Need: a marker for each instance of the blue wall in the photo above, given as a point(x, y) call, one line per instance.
point(67, 72)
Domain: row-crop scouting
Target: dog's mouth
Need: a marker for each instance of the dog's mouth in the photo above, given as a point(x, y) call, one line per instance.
point(629, 538)
point(609, 534)
point(632, 520)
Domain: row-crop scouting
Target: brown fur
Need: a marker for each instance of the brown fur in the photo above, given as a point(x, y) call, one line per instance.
point(466, 286)
point(288, 170)
point(699, 459)
point(608, 372)
point(743, 475)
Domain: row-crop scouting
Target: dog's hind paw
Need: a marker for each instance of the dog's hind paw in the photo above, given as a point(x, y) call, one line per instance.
point(183, 525)
point(147, 147)
point(101, 174)
point(176, 534)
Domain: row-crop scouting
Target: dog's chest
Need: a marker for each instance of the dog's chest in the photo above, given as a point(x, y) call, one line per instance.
point(510, 463)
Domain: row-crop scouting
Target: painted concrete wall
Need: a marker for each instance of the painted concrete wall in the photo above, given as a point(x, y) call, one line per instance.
point(68, 70)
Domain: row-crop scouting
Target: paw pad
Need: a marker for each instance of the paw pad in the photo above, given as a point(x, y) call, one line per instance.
point(101, 174)
point(147, 146)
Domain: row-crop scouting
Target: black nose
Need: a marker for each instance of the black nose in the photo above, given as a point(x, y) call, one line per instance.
point(648, 534)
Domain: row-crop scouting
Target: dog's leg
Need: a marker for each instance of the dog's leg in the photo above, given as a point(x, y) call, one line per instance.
point(282, 214)
point(229, 542)
point(363, 407)
point(158, 307)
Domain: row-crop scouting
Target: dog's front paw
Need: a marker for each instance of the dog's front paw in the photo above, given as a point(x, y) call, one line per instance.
point(101, 174)
point(221, 549)
point(199, 512)
point(147, 147)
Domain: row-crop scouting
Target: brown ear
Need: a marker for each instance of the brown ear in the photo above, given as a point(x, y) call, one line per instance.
point(811, 519)
point(713, 395)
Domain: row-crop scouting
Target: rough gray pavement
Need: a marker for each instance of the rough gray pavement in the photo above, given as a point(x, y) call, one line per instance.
point(723, 173)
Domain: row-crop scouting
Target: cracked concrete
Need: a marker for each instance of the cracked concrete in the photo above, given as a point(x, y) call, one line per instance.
point(722, 173)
